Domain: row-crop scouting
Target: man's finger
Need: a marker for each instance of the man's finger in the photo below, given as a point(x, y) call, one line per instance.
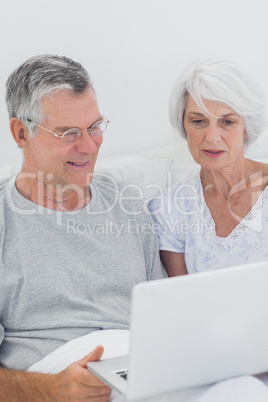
point(91, 357)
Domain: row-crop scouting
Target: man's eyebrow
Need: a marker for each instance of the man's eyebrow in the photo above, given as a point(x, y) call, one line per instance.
point(65, 128)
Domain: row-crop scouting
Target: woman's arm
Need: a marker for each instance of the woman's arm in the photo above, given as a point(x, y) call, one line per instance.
point(174, 263)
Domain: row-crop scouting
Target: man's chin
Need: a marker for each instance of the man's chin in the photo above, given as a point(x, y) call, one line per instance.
point(82, 180)
point(83, 184)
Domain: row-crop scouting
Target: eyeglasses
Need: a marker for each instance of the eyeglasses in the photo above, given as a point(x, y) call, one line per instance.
point(72, 135)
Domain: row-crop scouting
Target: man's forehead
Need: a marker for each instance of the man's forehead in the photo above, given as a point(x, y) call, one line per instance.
point(64, 106)
point(63, 96)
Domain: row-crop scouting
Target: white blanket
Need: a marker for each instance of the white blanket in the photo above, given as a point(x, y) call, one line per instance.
point(116, 343)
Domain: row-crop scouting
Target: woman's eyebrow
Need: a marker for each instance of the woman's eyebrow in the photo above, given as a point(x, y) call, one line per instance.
point(202, 114)
point(197, 113)
point(229, 114)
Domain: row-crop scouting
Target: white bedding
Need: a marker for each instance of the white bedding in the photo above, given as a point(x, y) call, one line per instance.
point(116, 343)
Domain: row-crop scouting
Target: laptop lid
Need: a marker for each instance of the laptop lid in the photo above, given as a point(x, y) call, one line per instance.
point(198, 329)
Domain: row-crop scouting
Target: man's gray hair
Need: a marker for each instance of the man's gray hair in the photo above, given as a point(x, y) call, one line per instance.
point(221, 81)
point(41, 76)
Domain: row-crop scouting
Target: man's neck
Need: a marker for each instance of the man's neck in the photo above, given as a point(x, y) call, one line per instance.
point(51, 197)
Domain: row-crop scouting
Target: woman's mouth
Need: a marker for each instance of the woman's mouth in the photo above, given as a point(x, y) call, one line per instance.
point(213, 153)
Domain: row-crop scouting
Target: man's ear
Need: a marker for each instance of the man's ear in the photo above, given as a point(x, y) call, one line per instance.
point(19, 132)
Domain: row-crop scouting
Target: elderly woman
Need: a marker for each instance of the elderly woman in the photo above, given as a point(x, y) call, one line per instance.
point(218, 218)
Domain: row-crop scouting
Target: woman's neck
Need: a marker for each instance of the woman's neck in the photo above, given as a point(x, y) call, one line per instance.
point(224, 181)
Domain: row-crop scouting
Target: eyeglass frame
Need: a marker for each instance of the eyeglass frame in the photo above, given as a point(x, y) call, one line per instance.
point(86, 129)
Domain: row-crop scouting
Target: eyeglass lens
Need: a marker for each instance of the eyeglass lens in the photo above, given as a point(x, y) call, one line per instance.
point(96, 131)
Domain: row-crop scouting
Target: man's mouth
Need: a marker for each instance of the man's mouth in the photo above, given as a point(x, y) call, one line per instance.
point(80, 164)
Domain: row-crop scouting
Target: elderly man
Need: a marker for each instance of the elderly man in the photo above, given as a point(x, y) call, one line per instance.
point(65, 271)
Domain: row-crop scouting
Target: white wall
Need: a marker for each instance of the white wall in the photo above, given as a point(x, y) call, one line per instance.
point(134, 51)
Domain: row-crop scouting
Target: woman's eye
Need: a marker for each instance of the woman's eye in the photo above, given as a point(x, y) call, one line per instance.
point(198, 121)
point(228, 123)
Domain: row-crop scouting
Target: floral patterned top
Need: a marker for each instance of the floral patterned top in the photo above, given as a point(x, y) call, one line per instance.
point(185, 225)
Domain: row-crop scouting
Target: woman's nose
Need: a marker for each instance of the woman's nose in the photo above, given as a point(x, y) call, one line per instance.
point(213, 133)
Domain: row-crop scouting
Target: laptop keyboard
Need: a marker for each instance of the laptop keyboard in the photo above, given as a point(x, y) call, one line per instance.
point(123, 374)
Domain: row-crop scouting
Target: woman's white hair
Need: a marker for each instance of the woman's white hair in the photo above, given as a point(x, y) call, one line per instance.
point(221, 81)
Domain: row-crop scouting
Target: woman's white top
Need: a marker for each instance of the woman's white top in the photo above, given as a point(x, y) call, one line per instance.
point(185, 225)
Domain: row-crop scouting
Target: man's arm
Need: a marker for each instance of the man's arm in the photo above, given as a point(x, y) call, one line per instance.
point(75, 383)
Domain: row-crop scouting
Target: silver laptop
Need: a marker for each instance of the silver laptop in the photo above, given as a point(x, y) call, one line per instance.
point(193, 330)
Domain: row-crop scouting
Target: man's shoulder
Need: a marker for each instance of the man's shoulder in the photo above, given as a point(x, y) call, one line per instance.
point(105, 183)
point(127, 196)
point(3, 201)
point(3, 189)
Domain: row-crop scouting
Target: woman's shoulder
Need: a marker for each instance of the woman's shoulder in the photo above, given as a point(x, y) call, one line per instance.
point(182, 191)
point(189, 183)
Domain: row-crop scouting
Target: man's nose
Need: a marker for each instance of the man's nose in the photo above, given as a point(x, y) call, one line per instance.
point(87, 143)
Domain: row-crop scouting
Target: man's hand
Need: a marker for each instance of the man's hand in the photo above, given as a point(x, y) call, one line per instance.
point(76, 383)
point(73, 384)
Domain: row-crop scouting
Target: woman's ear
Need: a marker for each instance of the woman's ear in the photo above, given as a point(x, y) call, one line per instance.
point(19, 132)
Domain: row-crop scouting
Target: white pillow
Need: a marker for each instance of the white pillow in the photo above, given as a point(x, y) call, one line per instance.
point(181, 172)
point(259, 148)
point(148, 176)
point(8, 171)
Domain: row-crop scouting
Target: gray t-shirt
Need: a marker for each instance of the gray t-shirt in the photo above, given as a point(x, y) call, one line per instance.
point(63, 275)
